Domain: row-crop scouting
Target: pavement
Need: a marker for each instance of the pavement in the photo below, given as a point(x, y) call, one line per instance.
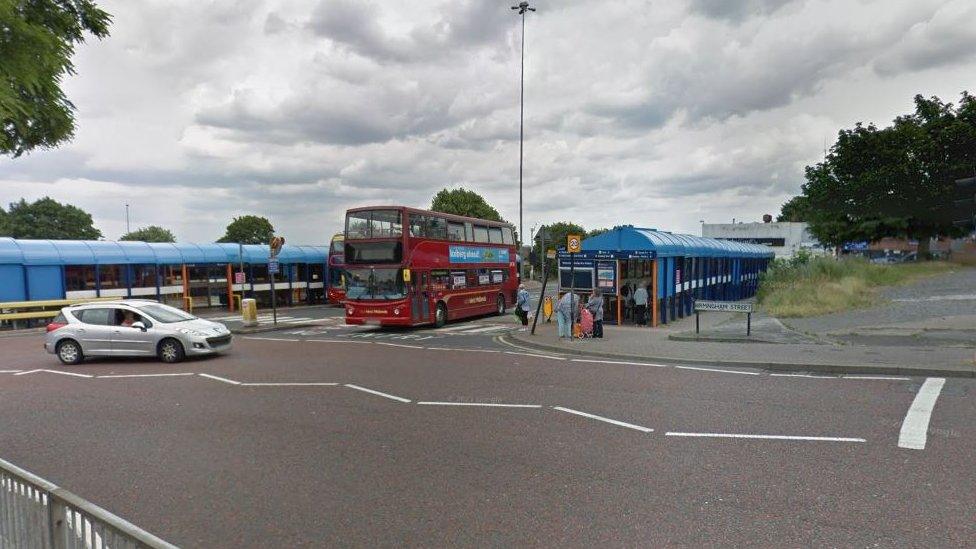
point(655, 344)
point(308, 437)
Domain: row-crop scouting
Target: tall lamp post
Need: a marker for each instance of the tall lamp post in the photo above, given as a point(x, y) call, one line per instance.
point(521, 8)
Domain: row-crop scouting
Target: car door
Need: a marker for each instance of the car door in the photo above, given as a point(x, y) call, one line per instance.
point(127, 340)
point(95, 331)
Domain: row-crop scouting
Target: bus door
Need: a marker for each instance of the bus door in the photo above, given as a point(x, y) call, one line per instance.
point(420, 306)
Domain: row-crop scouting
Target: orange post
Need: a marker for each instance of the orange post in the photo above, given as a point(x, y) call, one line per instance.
point(654, 304)
point(186, 284)
point(230, 288)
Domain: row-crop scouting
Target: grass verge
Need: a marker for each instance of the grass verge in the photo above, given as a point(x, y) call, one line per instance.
point(822, 285)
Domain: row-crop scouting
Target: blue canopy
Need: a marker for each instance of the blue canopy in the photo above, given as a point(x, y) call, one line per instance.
point(666, 244)
point(101, 252)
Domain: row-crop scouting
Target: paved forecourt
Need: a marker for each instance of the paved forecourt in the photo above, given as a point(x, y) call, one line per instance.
point(305, 440)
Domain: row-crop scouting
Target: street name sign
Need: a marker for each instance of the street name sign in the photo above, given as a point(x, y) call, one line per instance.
point(723, 306)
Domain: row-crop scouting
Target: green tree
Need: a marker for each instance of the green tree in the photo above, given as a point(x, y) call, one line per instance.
point(794, 209)
point(249, 229)
point(894, 181)
point(37, 40)
point(595, 232)
point(555, 238)
point(48, 218)
point(4, 230)
point(461, 201)
point(152, 233)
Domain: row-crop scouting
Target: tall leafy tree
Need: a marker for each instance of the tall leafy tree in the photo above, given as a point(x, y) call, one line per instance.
point(556, 234)
point(249, 229)
point(461, 201)
point(152, 233)
point(48, 218)
point(795, 209)
point(894, 181)
point(4, 230)
point(37, 40)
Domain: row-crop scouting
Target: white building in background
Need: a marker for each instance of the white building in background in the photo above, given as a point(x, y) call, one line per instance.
point(785, 238)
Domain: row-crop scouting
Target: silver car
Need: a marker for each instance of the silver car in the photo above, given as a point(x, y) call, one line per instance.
point(132, 328)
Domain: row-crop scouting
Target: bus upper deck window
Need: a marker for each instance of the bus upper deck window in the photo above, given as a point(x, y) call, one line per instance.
point(481, 234)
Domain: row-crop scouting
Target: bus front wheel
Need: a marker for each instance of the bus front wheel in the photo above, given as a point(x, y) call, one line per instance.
point(500, 305)
point(440, 317)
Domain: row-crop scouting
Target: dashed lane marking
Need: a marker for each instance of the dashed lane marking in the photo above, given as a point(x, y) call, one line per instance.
point(537, 356)
point(620, 362)
point(604, 419)
point(763, 437)
point(485, 404)
point(717, 370)
point(377, 393)
point(145, 375)
point(218, 378)
point(399, 345)
point(915, 427)
point(290, 384)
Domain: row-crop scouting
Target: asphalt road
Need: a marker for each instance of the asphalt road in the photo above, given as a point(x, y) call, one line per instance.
point(380, 459)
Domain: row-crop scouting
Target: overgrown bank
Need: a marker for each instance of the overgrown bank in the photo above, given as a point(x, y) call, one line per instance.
point(810, 286)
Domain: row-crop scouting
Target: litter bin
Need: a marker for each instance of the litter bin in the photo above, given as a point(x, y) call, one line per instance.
point(249, 312)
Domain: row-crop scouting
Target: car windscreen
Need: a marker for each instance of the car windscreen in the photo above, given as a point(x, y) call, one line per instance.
point(166, 314)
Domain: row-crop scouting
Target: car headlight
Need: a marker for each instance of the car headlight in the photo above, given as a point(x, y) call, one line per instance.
point(188, 331)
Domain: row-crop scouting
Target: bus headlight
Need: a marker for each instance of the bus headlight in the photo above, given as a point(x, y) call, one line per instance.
point(396, 312)
point(350, 311)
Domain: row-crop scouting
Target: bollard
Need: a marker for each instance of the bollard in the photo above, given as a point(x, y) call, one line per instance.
point(249, 312)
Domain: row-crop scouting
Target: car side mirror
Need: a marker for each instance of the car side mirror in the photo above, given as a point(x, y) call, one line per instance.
point(139, 325)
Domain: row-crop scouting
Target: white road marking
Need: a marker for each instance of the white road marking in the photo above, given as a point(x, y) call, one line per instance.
point(764, 437)
point(377, 393)
point(718, 370)
point(914, 430)
point(535, 355)
point(9, 371)
point(605, 419)
point(289, 384)
point(145, 375)
point(398, 345)
point(804, 375)
point(486, 404)
point(67, 373)
point(620, 362)
point(271, 338)
point(452, 328)
point(53, 372)
point(295, 320)
point(885, 378)
point(224, 379)
point(493, 328)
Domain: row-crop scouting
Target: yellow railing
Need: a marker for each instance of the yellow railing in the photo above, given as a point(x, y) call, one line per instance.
point(42, 304)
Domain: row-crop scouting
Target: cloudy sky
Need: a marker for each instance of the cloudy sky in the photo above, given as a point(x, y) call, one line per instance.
point(656, 113)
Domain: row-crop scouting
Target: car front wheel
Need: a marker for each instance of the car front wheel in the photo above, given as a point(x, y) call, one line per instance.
point(171, 351)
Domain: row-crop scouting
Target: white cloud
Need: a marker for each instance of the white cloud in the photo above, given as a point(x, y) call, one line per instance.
point(657, 114)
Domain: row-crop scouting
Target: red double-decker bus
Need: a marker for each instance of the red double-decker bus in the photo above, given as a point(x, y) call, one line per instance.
point(336, 291)
point(407, 267)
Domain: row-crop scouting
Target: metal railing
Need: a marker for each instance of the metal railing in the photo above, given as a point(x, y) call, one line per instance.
point(37, 513)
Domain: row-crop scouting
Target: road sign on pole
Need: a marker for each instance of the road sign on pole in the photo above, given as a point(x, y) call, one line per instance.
point(273, 266)
point(573, 242)
point(239, 277)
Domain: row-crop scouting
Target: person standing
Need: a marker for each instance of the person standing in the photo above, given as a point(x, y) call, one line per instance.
point(564, 314)
point(522, 306)
point(640, 306)
point(595, 306)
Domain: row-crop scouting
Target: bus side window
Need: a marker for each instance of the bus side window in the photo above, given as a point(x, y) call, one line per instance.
point(437, 227)
point(468, 232)
point(507, 236)
point(455, 231)
point(495, 235)
point(481, 233)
